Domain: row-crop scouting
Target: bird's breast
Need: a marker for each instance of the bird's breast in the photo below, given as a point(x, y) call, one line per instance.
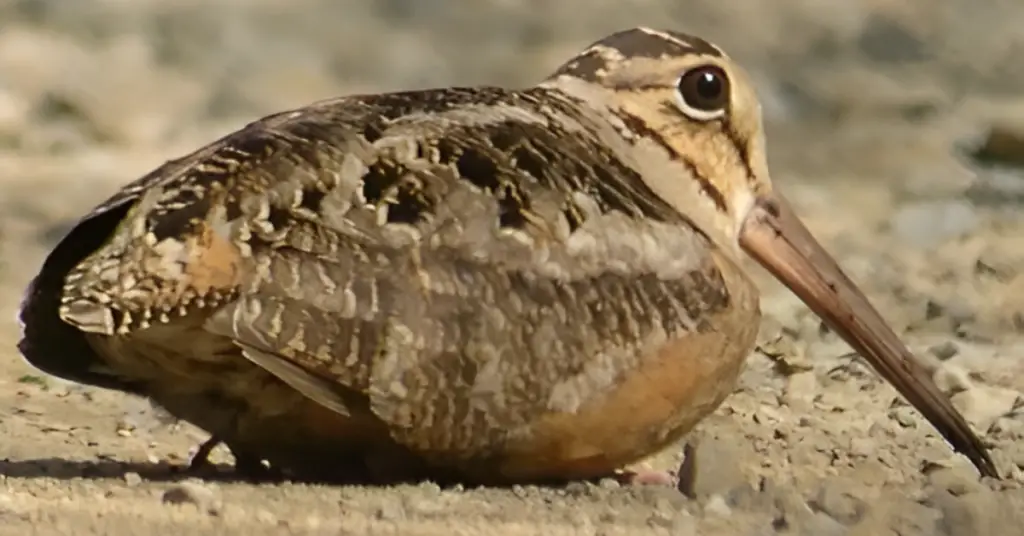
point(677, 376)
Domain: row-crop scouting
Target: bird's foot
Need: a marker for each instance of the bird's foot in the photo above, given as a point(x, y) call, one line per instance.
point(645, 477)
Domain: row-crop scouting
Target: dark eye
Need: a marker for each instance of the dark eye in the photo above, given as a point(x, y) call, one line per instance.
point(704, 92)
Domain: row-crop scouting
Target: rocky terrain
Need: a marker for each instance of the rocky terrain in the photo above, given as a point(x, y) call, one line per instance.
point(896, 128)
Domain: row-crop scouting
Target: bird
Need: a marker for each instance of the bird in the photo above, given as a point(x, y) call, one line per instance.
point(481, 284)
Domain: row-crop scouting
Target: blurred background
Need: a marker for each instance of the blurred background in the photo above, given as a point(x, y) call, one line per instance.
point(894, 124)
point(139, 72)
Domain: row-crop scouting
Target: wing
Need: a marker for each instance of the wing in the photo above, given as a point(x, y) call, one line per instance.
point(452, 257)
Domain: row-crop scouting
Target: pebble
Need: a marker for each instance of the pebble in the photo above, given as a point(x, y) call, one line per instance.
point(862, 446)
point(820, 524)
point(717, 506)
point(684, 524)
point(951, 379)
point(1007, 428)
point(1004, 144)
point(792, 511)
point(132, 479)
point(929, 223)
point(997, 187)
point(904, 416)
point(837, 500)
point(945, 350)
point(711, 466)
point(984, 404)
point(390, 511)
point(194, 493)
point(956, 481)
point(800, 390)
point(886, 39)
point(960, 515)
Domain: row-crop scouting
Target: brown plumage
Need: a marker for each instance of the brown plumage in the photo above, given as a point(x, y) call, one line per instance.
point(481, 284)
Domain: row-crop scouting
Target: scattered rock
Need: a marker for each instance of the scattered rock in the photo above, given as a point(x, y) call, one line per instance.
point(1001, 144)
point(132, 479)
point(791, 511)
point(984, 404)
point(997, 188)
point(820, 524)
point(951, 379)
point(194, 493)
point(266, 517)
point(717, 506)
point(711, 466)
point(945, 350)
point(906, 416)
point(956, 481)
point(838, 500)
point(959, 516)
point(800, 389)
point(929, 223)
point(886, 39)
point(391, 510)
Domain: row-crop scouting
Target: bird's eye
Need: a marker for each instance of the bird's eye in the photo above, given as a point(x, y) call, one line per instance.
point(704, 92)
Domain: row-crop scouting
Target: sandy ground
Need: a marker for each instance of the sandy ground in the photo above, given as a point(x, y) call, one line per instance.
point(872, 110)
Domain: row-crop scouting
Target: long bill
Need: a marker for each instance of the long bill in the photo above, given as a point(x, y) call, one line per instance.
point(775, 237)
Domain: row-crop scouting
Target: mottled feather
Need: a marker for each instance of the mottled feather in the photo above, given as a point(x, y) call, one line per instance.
point(444, 268)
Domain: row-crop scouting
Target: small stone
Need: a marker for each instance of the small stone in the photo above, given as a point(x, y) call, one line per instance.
point(578, 489)
point(1003, 143)
point(904, 416)
point(660, 519)
point(683, 525)
point(430, 488)
point(952, 379)
point(661, 497)
point(889, 40)
point(791, 510)
point(800, 390)
point(390, 511)
point(954, 481)
point(836, 499)
point(711, 465)
point(862, 446)
point(132, 479)
point(897, 514)
point(944, 351)
point(194, 493)
point(982, 405)
point(820, 524)
point(959, 517)
point(1007, 428)
point(929, 223)
point(717, 506)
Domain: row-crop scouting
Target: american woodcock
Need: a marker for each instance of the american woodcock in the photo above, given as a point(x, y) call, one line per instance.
point(484, 284)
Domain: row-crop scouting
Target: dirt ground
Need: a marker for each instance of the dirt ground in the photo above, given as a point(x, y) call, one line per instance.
point(874, 108)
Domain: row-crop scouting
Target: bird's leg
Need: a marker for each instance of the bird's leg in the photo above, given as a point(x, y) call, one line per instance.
point(201, 459)
point(247, 465)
